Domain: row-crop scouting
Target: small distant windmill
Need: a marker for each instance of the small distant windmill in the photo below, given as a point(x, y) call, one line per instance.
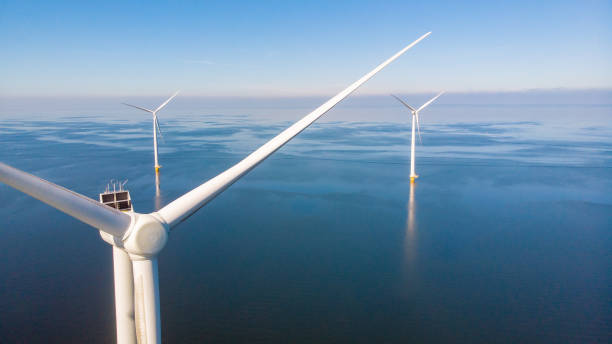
point(156, 128)
point(415, 118)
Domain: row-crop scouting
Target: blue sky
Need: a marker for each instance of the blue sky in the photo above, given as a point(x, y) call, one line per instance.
point(294, 49)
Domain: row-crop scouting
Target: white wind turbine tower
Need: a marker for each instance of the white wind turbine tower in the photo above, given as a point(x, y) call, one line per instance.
point(415, 118)
point(138, 238)
point(156, 128)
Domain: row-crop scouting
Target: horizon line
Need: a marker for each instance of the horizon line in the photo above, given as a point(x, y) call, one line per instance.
point(317, 95)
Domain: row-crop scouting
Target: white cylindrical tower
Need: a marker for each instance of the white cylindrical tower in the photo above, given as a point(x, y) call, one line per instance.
point(412, 174)
point(155, 142)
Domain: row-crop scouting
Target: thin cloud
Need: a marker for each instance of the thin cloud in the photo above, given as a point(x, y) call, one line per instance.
point(205, 62)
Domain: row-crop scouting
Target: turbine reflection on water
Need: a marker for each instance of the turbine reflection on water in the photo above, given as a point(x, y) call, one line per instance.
point(410, 233)
point(158, 200)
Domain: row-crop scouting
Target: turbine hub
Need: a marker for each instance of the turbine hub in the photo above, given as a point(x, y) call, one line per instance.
point(146, 237)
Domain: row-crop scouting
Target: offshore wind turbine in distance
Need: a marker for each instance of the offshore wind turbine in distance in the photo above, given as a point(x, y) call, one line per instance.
point(415, 118)
point(138, 238)
point(156, 127)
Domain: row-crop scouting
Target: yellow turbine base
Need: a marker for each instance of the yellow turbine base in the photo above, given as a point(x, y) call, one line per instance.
point(157, 169)
point(412, 178)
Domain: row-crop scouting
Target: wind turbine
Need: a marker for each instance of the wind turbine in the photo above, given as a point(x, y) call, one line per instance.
point(138, 238)
point(415, 118)
point(156, 128)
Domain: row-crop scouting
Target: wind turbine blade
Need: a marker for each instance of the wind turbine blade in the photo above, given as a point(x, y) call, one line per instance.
point(189, 203)
point(401, 101)
point(124, 296)
point(418, 127)
point(138, 107)
point(167, 101)
point(159, 129)
point(82, 208)
point(146, 300)
point(430, 101)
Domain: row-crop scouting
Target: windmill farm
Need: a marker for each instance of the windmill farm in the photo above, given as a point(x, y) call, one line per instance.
point(136, 238)
point(310, 183)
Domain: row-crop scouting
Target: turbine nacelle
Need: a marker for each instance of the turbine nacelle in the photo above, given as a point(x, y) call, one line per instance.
point(146, 236)
point(144, 239)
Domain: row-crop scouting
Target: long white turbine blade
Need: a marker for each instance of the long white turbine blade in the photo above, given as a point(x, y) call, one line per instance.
point(189, 203)
point(124, 296)
point(167, 101)
point(76, 205)
point(159, 129)
point(401, 101)
point(146, 301)
point(138, 107)
point(429, 102)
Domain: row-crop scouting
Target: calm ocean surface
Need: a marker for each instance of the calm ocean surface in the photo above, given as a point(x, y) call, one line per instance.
point(505, 237)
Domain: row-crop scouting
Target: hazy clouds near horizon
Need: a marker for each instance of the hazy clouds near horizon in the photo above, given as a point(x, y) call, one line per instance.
point(82, 105)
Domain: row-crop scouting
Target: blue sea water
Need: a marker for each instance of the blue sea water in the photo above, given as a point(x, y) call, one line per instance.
point(505, 237)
